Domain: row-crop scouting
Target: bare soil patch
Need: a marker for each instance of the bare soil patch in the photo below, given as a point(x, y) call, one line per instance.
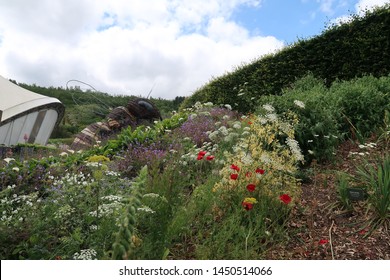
point(321, 229)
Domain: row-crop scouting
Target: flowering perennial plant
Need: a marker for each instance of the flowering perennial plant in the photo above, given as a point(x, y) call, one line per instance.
point(17, 208)
point(285, 198)
point(86, 254)
point(263, 162)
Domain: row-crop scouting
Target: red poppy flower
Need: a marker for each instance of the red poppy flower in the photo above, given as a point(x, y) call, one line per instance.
point(251, 187)
point(260, 171)
point(363, 231)
point(247, 206)
point(233, 176)
point(249, 122)
point(323, 241)
point(285, 198)
point(210, 157)
point(235, 167)
point(201, 154)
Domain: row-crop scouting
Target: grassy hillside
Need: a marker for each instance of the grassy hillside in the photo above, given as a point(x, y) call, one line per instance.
point(86, 107)
point(341, 52)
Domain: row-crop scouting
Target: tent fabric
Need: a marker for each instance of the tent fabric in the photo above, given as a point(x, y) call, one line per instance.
point(26, 116)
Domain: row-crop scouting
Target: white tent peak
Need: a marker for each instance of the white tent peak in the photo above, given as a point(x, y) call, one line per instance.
point(26, 116)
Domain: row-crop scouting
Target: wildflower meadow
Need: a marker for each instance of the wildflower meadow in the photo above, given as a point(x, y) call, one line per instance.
point(206, 183)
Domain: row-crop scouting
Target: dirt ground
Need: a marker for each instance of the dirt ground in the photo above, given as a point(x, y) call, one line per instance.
point(321, 228)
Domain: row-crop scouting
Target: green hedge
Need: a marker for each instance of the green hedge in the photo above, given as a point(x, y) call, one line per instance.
point(343, 52)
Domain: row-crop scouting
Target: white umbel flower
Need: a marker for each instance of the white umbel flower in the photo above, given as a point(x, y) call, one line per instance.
point(299, 103)
point(294, 148)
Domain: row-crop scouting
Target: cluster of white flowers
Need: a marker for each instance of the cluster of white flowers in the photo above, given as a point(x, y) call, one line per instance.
point(299, 103)
point(223, 130)
point(106, 209)
point(294, 148)
point(226, 117)
point(231, 137)
point(93, 164)
point(213, 135)
point(14, 206)
point(152, 195)
point(198, 106)
point(146, 209)
point(93, 227)
point(69, 179)
point(86, 254)
point(247, 159)
point(370, 145)
point(223, 133)
point(237, 125)
point(112, 173)
point(271, 117)
point(64, 212)
point(112, 198)
point(269, 108)
point(155, 196)
point(365, 149)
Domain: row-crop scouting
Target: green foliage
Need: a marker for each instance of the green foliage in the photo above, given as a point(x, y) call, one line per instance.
point(77, 206)
point(317, 129)
point(362, 103)
point(373, 178)
point(384, 131)
point(342, 187)
point(377, 181)
point(342, 52)
point(244, 212)
point(327, 115)
point(143, 134)
point(71, 212)
point(125, 236)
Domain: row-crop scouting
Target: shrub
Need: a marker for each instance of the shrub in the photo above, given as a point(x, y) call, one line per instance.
point(362, 103)
point(317, 130)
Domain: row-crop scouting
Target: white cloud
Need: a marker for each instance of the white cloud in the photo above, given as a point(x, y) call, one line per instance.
point(362, 5)
point(124, 46)
point(326, 6)
point(330, 7)
point(360, 8)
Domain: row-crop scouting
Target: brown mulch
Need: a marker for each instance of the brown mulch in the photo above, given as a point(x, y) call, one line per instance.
point(322, 229)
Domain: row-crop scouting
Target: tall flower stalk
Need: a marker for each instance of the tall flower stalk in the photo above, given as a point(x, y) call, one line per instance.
point(125, 236)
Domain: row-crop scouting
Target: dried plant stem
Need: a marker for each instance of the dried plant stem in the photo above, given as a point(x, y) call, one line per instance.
point(246, 244)
point(330, 239)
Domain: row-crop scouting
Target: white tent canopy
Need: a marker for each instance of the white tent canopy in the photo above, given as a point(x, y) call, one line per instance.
point(25, 116)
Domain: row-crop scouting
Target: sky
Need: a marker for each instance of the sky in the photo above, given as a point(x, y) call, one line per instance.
point(167, 47)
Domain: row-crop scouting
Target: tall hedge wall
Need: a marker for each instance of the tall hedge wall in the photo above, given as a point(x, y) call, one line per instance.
point(342, 52)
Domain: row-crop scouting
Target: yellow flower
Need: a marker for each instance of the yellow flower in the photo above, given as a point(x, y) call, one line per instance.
point(97, 158)
point(251, 200)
